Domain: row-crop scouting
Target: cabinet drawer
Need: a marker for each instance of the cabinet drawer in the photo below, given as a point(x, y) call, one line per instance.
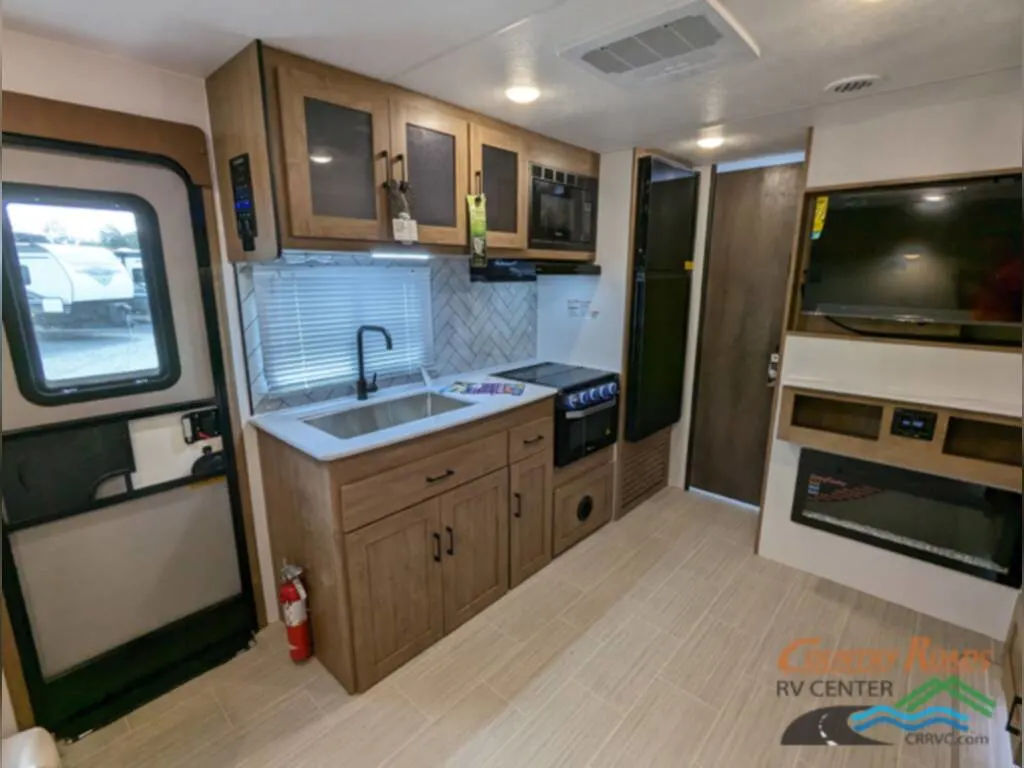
point(530, 438)
point(582, 506)
point(379, 495)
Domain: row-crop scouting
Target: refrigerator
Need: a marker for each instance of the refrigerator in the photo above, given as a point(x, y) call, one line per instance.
point(663, 242)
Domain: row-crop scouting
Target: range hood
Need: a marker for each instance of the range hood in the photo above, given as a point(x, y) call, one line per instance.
point(523, 271)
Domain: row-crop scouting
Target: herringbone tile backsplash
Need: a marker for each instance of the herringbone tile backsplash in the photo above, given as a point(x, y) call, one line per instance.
point(476, 325)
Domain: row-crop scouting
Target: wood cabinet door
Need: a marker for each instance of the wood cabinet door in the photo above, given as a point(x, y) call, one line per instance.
point(430, 150)
point(581, 506)
point(335, 132)
point(498, 169)
point(530, 522)
point(474, 518)
point(395, 583)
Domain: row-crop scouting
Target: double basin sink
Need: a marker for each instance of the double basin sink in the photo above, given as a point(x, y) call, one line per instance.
point(374, 417)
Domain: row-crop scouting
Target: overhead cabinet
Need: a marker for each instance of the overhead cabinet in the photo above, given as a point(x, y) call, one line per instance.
point(305, 151)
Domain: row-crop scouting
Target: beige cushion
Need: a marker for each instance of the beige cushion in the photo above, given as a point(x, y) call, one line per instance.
point(33, 748)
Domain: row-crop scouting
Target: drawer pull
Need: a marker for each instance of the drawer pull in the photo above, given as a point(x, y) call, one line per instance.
point(536, 439)
point(451, 540)
point(519, 505)
point(437, 547)
point(438, 478)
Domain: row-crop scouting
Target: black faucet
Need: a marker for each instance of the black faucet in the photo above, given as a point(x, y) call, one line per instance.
point(364, 387)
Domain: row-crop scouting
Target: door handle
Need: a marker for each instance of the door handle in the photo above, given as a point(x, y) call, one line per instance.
point(519, 505)
point(479, 183)
point(451, 539)
point(437, 547)
point(403, 179)
point(439, 478)
point(387, 167)
point(773, 367)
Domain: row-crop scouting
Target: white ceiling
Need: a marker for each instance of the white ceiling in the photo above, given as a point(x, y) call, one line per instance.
point(468, 51)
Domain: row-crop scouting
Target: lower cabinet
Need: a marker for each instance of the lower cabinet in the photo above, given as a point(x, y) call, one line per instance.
point(395, 587)
point(582, 505)
point(475, 541)
point(530, 521)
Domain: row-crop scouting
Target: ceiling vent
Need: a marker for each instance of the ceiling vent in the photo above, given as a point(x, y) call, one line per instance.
point(852, 84)
point(690, 40)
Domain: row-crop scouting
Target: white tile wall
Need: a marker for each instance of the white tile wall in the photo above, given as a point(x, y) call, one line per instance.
point(475, 325)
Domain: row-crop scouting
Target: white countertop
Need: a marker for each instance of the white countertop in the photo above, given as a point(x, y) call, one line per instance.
point(289, 424)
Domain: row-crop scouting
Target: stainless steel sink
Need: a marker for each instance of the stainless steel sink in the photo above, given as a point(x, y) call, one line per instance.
point(374, 417)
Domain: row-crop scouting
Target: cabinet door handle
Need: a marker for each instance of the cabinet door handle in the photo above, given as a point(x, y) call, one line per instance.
point(479, 183)
point(437, 547)
point(451, 539)
point(438, 478)
point(387, 167)
point(531, 441)
point(519, 505)
point(404, 178)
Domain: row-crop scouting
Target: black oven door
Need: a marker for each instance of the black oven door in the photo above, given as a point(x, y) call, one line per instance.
point(581, 433)
point(563, 216)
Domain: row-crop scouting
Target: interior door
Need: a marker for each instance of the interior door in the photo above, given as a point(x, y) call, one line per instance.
point(530, 529)
point(124, 556)
point(394, 568)
point(753, 218)
point(430, 150)
point(335, 133)
point(475, 540)
point(499, 170)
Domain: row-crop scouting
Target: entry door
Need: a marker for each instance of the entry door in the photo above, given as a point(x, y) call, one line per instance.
point(123, 545)
point(753, 220)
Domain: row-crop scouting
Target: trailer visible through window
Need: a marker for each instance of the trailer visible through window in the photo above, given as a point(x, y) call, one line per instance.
point(86, 306)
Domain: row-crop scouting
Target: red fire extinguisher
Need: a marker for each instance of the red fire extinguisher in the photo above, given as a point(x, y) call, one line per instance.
point(296, 618)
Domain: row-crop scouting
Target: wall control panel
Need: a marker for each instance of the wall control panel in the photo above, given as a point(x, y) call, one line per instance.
point(919, 425)
point(245, 207)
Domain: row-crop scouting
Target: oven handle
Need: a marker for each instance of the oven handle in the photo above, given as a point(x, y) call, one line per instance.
point(573, 415)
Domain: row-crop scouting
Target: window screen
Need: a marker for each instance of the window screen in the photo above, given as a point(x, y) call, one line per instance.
point(309, 315)
point(86, 307)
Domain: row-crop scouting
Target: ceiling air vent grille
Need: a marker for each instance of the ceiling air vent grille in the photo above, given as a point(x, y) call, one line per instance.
point(852, 84)
point(689, 40)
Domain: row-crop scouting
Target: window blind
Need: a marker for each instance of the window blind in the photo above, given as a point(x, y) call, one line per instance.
point(308, 317)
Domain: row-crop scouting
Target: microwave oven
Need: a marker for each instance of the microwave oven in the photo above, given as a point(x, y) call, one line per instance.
point(563, 210)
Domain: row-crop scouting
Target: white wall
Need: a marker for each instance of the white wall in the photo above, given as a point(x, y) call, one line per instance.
point(595, 339)
point(942, 139)
point(954, 138)
point(64, 72)
point(681, 431)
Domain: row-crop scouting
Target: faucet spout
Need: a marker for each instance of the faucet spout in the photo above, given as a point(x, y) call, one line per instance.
point(364, 387)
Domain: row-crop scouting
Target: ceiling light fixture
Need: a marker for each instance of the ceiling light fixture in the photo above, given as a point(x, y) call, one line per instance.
point(911, 256)
point(522, 94)
point(934, 198)
point(710, 142)
point(400, 256)
point(320, 159)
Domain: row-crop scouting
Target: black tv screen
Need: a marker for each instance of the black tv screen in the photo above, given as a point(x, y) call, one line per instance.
point(924, 253)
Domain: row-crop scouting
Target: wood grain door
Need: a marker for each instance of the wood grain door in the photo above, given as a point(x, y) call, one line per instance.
point(497, 165)
point(753, 218)
point(475, 540)
point(530, 523)
point(430, 150)
point(395, 582)
point(335, 132)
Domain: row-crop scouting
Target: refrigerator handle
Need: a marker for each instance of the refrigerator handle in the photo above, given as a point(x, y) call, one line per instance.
point(773, 366)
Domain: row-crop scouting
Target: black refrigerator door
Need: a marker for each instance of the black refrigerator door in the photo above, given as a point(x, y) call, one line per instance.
point(666, 215)
point(654, 388)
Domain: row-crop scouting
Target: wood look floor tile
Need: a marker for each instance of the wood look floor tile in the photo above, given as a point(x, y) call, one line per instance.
point(455, 672)
point(586, 564)
point(711, 661)
point(181, 732)
point(531, 605)
point(248, 696)
point(622, 668)
point(565, 733)
point(74, 753)
point(326, 692)
point(453, 731)
point(681, 602)
point(750, 605)
point(363, 736)
point(289, 715)
point(716, 559)
point(663, 730)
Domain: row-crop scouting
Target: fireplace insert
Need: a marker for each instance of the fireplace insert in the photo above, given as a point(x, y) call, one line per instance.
point(964, 526)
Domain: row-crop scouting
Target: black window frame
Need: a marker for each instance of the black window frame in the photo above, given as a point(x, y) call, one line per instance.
point(17, 316)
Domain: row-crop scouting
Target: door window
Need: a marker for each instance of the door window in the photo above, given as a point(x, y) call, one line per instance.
point(86, 304)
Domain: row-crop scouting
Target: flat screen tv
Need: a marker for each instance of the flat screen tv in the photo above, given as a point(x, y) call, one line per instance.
point(925, 253)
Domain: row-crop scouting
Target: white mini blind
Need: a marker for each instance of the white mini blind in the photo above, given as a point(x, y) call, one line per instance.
point(308, 317)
